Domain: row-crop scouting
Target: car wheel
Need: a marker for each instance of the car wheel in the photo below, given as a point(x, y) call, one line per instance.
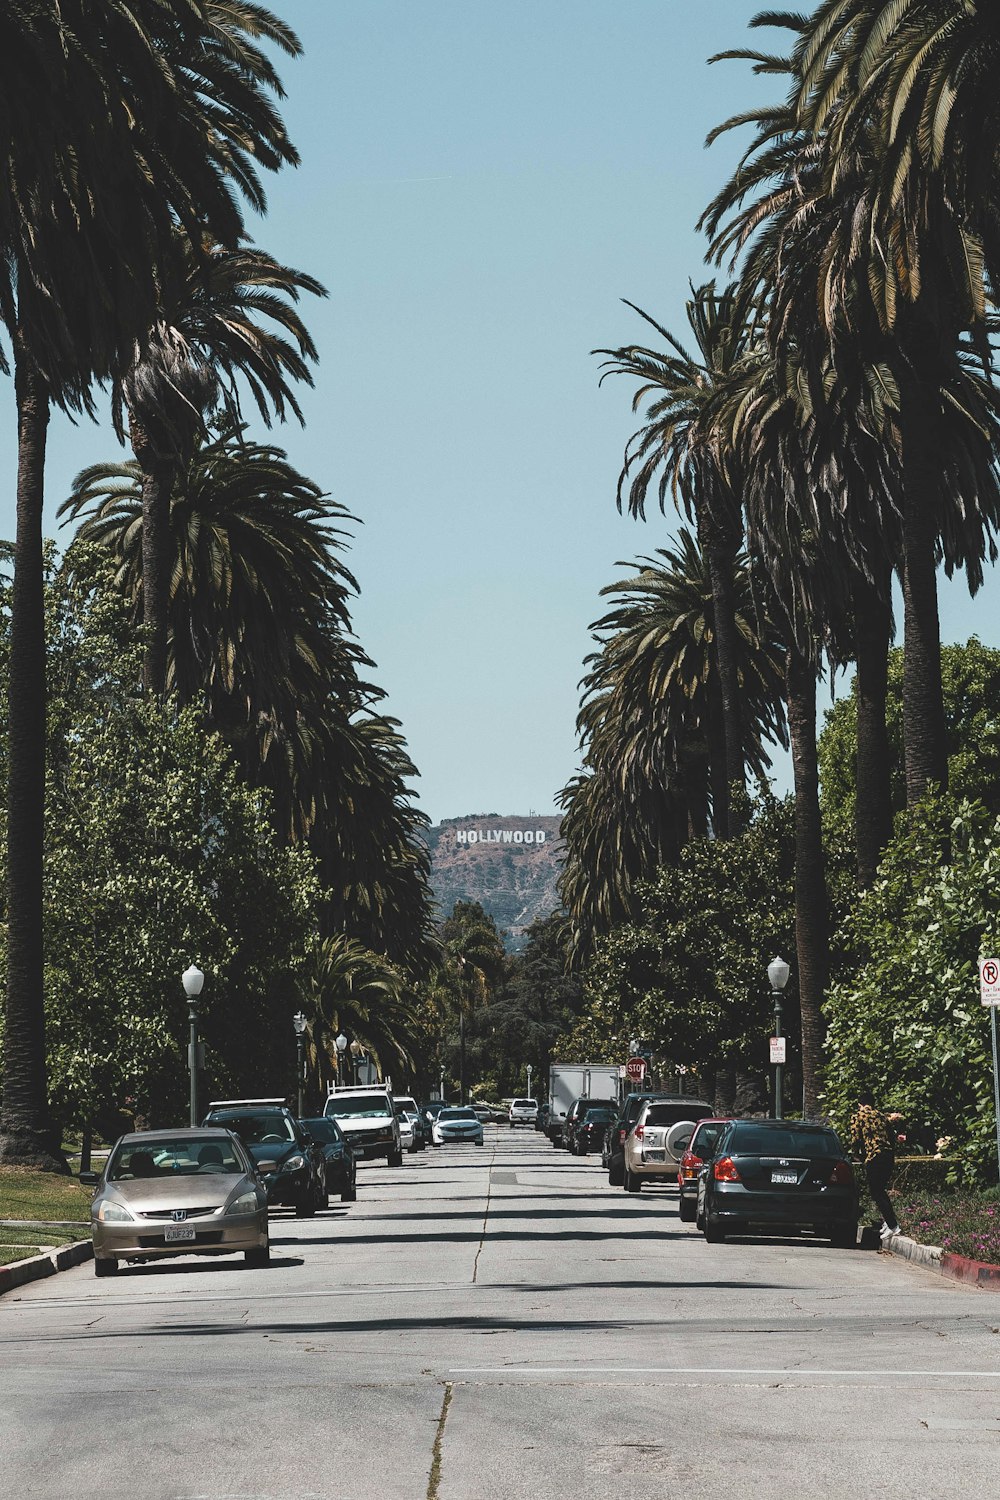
point(305, 1208)
point(686, 1209)
point(105, 1266)
point(632, 1183)
point(259, 1257)
point(394, 1159)
point(616, 1176)
point(844, 1236)
point(714, 1232)
point(349, 1195)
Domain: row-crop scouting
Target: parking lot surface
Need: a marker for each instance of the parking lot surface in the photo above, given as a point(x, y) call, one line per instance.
point(498, 1322)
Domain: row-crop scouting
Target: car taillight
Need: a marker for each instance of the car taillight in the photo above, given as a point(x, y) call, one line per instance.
point(842, 1173)
point(638, 1132)
point(621, 1137)
point(725, 1170)
point(689, 1160)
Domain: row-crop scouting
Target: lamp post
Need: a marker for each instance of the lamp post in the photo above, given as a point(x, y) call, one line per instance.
point(441, 1083)
point(357, 1052)
point(529, 1080)
point(340, 1043)
point(193, 981)
point(299, 1022)
point(777, 972)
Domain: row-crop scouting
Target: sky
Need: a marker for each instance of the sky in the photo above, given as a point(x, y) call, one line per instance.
point(481, 184)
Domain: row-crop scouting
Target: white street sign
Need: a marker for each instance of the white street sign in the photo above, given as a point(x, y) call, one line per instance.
point(989, 981)
point(777, 1049)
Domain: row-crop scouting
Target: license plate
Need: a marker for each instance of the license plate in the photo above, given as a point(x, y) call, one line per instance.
point(178, 1232)
point(789, 1177)
point(655, 1155)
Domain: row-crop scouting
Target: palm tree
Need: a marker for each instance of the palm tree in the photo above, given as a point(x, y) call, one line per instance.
point(473, 961)
point(350, 991)
point(151, 114)
point(672, 450)
point(214, 326)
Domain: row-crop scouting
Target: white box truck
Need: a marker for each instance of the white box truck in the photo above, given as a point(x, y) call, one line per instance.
point(569, 1081)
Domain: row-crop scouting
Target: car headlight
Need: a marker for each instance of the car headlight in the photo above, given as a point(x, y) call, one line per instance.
point(113, 1213)
point(246, 1203)
point(293, 1164)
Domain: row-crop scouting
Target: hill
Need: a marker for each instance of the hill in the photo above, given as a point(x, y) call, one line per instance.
point(510, 865)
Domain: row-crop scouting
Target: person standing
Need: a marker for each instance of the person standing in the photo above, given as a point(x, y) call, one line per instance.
point(873, 1139)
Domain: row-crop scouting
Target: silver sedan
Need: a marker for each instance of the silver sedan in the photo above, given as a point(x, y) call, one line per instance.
point(177, 1192)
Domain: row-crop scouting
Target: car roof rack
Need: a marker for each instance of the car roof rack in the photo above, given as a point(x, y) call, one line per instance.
point(247, 1103)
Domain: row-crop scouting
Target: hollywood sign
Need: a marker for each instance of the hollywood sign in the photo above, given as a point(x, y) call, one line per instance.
point(500, 836)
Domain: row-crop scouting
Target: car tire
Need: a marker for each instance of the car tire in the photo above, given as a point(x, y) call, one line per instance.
point(844, 1236)
point(713, 1232)
point(394, 1159)
point(616, 1176)
point(258, 1257)
point(686, 1209)
point(349, 1195)
point(105, 1265)
point(631, 1183)
point(305, 1208)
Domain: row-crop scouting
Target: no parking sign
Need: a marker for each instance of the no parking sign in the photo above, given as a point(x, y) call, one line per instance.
point(989, 981)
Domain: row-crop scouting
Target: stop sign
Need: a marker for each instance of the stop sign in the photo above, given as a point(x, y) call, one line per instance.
point(635, 1069)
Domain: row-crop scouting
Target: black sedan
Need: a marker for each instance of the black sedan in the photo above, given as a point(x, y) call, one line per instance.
point(774, 1175)
point(290, 1165)
point(339, 1159)
point(589, 1128)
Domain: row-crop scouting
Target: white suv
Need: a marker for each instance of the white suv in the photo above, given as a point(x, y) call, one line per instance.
point(522, 1111)
point(368, 1118)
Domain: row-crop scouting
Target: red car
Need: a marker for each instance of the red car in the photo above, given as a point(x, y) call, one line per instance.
point(700, 1149)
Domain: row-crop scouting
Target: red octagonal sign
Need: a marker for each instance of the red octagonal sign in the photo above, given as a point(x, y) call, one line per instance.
point(635, 1069)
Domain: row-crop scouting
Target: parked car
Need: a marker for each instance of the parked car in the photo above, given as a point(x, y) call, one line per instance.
point(341, 1170)
point(658, 1139)
point(177, 1192)
point(457, 1123)
point(271, 1133)
point(701, 1148)
point(482, 1112)
point(421, 1130)
point(613, 1151)
point(568, 1125)
point(522, 1112)
point(541, 1121)
point(589, 1128)
point(777, 1175)
point(367, 1116)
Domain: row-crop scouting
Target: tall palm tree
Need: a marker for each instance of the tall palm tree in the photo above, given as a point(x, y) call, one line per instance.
point(350, 991)
point(671, 451)
point(150, 115)
point(229, 315)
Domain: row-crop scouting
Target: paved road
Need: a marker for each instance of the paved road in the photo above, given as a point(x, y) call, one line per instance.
point(492, 1324)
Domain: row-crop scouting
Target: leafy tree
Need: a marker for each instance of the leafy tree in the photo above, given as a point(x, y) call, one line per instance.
point(470, 974)
point(540, 1001)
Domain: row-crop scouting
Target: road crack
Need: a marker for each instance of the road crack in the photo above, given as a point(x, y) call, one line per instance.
point(434, 1480)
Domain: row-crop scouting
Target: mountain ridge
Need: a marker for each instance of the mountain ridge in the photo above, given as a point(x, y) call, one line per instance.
point(510, 864)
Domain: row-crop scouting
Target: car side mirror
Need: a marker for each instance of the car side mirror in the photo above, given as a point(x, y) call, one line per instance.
point(89, 1179)
point(263, 1167)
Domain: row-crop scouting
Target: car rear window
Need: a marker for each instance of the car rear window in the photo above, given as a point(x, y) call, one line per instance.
point(763, 1140)
point(671, 1114)
point(704, 1139)
point(523, 1103)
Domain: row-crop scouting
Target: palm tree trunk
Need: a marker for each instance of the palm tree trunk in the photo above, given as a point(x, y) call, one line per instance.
point(873, 800)
point(158, 475)
point(923, 702)
point(27, 1136)
point(811, 913)
point(717, 754)
point(721, 555)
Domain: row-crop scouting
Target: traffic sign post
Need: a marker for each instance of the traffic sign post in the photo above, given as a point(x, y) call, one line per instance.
point(989, 994)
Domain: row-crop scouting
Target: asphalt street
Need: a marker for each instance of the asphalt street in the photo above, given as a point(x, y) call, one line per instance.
point(498, 1322)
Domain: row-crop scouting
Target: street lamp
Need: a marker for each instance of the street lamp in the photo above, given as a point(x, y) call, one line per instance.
point(357, 1052)
point(193, 981)
point(777, 972)
point(299, 1022)
point(529, 1080)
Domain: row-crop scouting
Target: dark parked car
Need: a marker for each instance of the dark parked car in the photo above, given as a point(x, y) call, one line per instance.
point(340, 1166)
point(575, 1112)
point(613, 1150)
point(271, 1133)
point(542, 1118)
point(589, 1127)
point(701, 1148)
point(775, 1175)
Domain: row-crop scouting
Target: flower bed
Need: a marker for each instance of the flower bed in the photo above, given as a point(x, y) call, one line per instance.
point(962, 1223)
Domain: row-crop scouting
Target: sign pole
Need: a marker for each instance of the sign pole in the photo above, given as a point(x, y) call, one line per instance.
point(996, 1081)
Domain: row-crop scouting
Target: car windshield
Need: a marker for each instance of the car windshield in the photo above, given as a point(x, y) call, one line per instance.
point(365, 1106)
point(135, 1161)
point(672, 1114)
point(457, 1114)
point(407, 1106)
point(258, 1129)
point(762, 1140)
point(324, 1130)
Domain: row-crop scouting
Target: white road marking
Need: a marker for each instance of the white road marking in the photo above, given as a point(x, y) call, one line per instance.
point(783, 1372)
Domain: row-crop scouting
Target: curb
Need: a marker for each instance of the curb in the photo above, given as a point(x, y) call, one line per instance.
point(957, 1267)
point(36, 1267)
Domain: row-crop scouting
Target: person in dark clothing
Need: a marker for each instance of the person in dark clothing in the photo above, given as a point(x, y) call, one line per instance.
point(872, 1138)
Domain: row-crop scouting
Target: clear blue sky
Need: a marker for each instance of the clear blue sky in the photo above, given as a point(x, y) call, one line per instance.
point(481, 184)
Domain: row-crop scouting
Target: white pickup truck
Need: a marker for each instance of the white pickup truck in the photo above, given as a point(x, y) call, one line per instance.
point(368, 1118)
